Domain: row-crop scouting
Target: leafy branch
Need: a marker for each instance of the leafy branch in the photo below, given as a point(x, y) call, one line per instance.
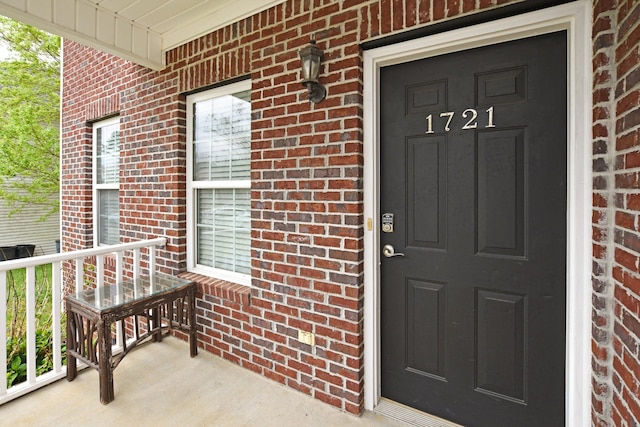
point(29, 118)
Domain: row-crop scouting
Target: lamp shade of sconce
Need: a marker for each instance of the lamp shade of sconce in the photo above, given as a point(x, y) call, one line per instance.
point(310, 57)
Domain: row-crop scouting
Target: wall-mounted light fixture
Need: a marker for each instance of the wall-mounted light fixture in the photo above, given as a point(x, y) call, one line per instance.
point(310, 57)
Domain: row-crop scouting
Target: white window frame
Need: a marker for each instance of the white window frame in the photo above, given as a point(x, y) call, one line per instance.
point(98, 187)
point(193, 186)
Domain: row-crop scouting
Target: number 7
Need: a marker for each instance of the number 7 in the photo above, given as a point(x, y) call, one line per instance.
point(449, 114)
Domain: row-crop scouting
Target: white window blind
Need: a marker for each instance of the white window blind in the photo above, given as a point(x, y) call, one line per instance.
point(106, 166)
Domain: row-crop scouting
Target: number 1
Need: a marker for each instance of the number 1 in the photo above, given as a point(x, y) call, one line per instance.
point(490, 113)
point(429, 124)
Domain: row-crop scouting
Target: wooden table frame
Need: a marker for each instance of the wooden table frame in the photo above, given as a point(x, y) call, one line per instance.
point(90, 334)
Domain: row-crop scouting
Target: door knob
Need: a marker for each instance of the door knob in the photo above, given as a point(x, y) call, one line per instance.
point(389, 252)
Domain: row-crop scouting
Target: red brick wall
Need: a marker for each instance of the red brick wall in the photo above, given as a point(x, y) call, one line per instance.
point(307, 206)
point(626, 265)
point(616, 223)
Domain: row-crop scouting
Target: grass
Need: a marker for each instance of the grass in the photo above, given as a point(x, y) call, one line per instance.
point(17, 320)
point(16, 298)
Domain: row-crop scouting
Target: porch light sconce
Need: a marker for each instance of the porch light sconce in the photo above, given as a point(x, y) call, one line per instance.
point(310, 57)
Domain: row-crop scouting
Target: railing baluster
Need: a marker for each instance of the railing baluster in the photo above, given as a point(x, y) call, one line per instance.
point(99, 280)
point(120, 340)
point(31, 324)
point(152, 266)
point(99, 271)
point(56, 314)
point(136, 264)
point(119, 266)
point(79, 275)
point(3, 333)
point(152, 260)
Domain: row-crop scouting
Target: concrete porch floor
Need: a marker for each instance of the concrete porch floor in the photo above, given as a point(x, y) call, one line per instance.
point(160, 385)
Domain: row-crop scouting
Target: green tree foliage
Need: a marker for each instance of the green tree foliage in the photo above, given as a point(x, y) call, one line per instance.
point(29, 117)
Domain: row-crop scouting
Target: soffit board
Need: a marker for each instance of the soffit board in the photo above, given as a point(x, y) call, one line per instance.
point(141, 31)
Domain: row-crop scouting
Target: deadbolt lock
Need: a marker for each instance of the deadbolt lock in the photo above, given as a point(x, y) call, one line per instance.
point(387, 223)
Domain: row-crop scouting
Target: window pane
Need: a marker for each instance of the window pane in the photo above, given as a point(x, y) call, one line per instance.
point(108, 217)
point(108, 154)
point(223, 229)
point(222, 138)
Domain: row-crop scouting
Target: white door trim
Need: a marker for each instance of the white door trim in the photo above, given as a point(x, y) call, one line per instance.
point(575, 18)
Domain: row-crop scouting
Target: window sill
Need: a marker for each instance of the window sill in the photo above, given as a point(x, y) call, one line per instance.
point(219, 288)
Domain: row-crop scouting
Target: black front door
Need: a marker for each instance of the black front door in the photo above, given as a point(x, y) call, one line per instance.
point(473, 173)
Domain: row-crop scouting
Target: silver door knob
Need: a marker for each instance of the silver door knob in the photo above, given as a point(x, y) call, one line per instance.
point(389, 252)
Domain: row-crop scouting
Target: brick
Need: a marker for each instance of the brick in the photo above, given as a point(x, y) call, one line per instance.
point(632, 160)
point(626, 259)
point(275, 376)
point(324, 397)
point(631, 400)
point(329, 378)
point(630, 302)
point(301, 367)
point(625, 220)
point(599, 352)
point(300, 387)
point(629, 240)
point(634, 367)
point(623, 335)
point(631, 322)
point(287, 372)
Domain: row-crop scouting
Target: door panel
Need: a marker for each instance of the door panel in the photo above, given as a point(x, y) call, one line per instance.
point(425, 339)
point(473, 169)
point(501, 193)
point(426, 195)
point(500, 350)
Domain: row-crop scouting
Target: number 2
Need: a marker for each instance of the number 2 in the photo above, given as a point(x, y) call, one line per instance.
point(471, 124)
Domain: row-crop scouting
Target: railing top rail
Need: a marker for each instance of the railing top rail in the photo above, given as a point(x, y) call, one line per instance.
point(65, 256)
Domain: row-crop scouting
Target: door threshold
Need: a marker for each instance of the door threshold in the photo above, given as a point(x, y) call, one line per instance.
point(409, 415)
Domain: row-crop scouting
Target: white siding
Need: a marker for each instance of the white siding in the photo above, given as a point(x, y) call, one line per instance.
point(23, 228)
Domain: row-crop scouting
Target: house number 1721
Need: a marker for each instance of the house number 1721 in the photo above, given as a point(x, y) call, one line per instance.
point(470, 115)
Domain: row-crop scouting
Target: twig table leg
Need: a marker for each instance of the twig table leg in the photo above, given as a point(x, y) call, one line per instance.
point(105, 370)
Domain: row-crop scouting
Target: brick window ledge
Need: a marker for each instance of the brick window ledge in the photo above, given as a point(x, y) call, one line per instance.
point(219, 288)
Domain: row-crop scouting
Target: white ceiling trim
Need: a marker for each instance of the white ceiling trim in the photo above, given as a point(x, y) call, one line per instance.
point(87, 23)
point(141, 31)
point(231, 12)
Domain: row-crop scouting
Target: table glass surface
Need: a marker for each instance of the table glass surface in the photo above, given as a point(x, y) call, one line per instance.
point(111, 296)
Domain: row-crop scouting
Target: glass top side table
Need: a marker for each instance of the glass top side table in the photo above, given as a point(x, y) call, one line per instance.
point(165, 302)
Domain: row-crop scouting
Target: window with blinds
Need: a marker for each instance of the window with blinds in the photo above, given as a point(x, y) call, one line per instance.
point(106, 178)
point(218, 200)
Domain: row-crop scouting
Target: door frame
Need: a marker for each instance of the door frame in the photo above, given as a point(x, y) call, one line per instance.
point(576, 19)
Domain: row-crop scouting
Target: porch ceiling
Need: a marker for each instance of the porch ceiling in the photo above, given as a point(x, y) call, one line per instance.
point(138, 30)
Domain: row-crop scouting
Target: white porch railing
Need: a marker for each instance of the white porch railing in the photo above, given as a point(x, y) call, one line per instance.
point(33, 380)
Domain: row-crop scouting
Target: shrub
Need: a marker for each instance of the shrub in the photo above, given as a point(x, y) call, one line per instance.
point(17, 365)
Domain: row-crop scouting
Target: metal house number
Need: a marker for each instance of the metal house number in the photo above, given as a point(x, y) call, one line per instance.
point(470, 115)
